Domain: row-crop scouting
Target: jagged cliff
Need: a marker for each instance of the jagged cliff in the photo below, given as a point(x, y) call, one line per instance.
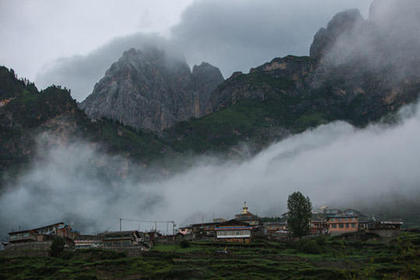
point(152, 90)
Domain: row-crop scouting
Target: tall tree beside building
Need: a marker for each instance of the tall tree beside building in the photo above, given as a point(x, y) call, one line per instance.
point(299, 215)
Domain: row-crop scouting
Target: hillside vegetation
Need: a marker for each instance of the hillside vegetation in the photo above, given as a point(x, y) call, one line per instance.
point(319, 258)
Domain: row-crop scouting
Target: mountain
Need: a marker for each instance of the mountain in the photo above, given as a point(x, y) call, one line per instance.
point(358, 71)
point(150, 105)
point(150, 89)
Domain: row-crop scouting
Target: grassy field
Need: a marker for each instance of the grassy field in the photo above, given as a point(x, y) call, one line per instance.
point(318, 258)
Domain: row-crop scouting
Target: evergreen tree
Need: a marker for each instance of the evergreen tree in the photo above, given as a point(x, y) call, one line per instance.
point(299, 215)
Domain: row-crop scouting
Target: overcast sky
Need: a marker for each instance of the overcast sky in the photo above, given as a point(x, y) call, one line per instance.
point(72, 43)
point(34, 33)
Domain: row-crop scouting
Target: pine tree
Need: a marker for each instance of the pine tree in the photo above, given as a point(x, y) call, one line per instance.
point(299, 215)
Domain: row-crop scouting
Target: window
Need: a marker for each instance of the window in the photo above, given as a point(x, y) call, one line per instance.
point(334, 225)
point(347, 225)
point(341, 225)
point(353, 225)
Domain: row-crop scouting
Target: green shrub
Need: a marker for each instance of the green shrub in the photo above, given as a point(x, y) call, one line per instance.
point(184, 244)
point(308, 246)
point(57, 246)
point(321, 240)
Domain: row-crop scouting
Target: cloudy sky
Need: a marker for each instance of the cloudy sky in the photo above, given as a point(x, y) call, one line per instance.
point(72, 43)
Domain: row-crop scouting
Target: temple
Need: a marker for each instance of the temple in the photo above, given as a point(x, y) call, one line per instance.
point(247, 217)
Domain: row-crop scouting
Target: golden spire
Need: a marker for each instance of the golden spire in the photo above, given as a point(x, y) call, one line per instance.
point(244, 209)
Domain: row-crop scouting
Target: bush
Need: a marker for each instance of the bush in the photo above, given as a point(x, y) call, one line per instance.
point(184, 244)
point(308, 246)
point(57, 246)
point(321, 240)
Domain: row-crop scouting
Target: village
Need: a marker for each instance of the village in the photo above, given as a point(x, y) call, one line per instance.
point(243, 228)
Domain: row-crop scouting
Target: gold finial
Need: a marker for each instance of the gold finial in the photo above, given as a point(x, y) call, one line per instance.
point(244, 209)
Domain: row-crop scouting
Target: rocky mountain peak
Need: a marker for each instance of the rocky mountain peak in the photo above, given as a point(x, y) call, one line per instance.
point(152, 89)
point(207, 71)
point(342, 23)
point(205, 78)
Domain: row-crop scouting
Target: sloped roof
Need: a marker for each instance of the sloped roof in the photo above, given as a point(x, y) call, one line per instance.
point(35, 229)
point(233, 222)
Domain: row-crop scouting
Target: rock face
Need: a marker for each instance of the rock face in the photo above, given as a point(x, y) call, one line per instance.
point(205, 78)
point(342, 23)
point(280, 76)
point(151, 90)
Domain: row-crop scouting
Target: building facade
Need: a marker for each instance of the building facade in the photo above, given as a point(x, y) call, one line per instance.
point(234, 231)
point(87, 241)
point(121, 239)
point(342, 224)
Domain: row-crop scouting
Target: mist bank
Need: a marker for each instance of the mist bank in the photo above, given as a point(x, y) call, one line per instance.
point(334, 164)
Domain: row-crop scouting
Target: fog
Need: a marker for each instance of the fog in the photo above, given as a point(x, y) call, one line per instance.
point(386, 42)
point(334, 164)
point(81, 72)
point(232, 35)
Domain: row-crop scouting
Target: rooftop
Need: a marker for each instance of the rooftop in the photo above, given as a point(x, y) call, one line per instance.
point(35, 229)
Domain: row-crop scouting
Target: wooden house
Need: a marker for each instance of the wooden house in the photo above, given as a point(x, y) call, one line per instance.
point(234, 231)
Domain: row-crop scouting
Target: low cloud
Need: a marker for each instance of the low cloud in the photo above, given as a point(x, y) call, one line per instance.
point(237, 35)
point(80, 73)
point(387, 42)
point(335, 164)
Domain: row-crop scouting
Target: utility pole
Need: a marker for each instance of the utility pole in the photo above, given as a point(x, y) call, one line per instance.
point(120, 224)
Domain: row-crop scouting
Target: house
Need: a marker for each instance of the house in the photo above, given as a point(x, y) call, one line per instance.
point(270, 227)
point(342, 224)
point(366, 222)
point(234, 231)
point(87, 241)
point(40, 238)
point(204, 230)
point(185, 230)
point(318, 224)
point(381, 228)
point(42, 233)
point(332, 212)
point(275, 230)
point(186, 233)
point(247, 217)
point(123, 239)
point(386, 228)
